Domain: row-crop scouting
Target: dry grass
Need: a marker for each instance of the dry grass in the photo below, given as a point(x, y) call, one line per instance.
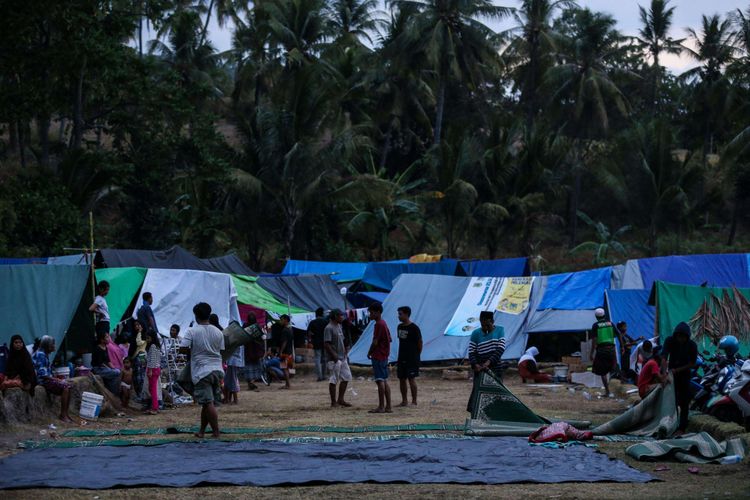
point(441, 401)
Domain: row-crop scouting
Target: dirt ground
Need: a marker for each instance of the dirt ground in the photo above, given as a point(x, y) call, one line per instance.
point(440, 401)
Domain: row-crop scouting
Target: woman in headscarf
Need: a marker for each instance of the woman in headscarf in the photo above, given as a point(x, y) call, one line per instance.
point(19, 370)
point(43, 368)
point(528, 369)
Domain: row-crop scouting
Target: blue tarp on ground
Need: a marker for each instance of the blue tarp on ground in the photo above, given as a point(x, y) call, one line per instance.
point(39, 300)
point(718, 270)
point(433, 300)
point(498, 268)
point(631, 306)
point(404, 460)
point(576, 291)
point(382, 274)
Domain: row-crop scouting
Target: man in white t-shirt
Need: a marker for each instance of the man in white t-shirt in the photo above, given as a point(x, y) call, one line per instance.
point(205, 342)
point(100, 308)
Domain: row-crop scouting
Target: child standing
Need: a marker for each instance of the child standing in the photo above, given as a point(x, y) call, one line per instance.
point(126, 382)
point(153, 369)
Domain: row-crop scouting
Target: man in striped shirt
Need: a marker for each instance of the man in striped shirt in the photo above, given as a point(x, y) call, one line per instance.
point(487, 344)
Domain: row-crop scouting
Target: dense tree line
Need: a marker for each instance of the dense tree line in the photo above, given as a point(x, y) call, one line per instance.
point(334, 130)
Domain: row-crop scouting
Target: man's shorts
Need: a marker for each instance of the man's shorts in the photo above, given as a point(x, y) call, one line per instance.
point(208, 389)
point(55, 385)
point(287, 361)
point(380, 370)
point(339, 371)
point(407, 370)
point(605, 359)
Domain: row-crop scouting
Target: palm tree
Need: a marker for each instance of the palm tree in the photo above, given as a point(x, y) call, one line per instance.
point(299, 27)
point(736, 159)
point(654, 38)
point(351, 21)
point(531, 44)
point(606, 240)
point(456, 45)
point(583, 85)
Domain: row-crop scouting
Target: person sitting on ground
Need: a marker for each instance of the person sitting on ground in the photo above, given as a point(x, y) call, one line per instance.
point(283, 339)
point(380, 351)
point(337, 355)
point(52, 385)
point(603, 342)
point(409, 353)
point(153, 369)
point(254, 352)
point(126, 382)
point(651, 375)
point(122, 343)
point(528, 369)
point(204, 342)
point(273, 363)
point(19, 369)
point(101, 365)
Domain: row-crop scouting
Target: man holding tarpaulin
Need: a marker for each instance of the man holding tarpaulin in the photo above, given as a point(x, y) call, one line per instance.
point(486, 347)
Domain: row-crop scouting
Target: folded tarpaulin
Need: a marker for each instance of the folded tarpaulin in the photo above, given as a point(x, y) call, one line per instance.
point(632, 307)
point(175, 257)
point(339, 271)
point(499, 460)
point(40, 300)
point(434, 301)
point(700, 448)
point(176, 292)
point(383, 274)
point(124, 285)
point(498, 268)
point(654, 416)
point(251, 293)
point(576, 291)
point(306, 292)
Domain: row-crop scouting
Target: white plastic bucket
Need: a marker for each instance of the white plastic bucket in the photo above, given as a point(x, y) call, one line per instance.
point(561, 372)
point(91, 405)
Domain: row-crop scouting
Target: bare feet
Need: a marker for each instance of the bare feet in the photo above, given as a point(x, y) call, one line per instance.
point(284, 387)
point(199, 435)
point(334, 405)
point(215, 434)
point(414, 403)
point(388, 410)
point(344, 404)
point(66, 419)
point(403, 403)
point(377, 410)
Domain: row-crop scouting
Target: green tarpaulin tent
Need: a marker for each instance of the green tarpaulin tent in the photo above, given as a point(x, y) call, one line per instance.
point(124, 282)
point(249, 292)
point(42, 300)
point(676, 303)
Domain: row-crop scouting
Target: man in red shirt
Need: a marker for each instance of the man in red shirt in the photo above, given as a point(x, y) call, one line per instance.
point(380, 350)
point(650, 375)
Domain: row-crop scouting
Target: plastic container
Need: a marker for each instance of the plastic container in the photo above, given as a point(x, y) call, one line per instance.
point(91, 405)
point(561, 372)
point(731, 459)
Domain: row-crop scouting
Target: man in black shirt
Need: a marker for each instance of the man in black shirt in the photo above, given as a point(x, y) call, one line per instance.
point(315, 335)
point(409, 351)
point(680, 355)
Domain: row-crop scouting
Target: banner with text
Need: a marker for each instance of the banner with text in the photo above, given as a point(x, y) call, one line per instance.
point(482, 294)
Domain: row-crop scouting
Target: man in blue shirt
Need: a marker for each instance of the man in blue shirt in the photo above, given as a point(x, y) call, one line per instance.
point(146, 315)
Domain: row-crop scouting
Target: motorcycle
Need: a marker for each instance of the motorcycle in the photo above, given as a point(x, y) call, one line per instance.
point(734, 404)
point(714, 381)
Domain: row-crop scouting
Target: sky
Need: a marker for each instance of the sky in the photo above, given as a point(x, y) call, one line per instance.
point(687, 15)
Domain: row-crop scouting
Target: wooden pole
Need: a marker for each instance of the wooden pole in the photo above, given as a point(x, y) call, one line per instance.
point(91, 253)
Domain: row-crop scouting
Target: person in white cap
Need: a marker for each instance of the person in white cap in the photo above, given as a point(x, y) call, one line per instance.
point(603, 342)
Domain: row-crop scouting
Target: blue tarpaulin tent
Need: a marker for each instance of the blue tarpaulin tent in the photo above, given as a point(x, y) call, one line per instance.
point(10, 261)
point(496, 268)
point(40, 300)
point(719, 270)
point(433, 300)
point(382, 274)
point(339, 271)
point(576, 291)
point(631, 306)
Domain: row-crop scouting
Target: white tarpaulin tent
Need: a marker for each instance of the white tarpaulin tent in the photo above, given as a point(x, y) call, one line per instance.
point(177, 291)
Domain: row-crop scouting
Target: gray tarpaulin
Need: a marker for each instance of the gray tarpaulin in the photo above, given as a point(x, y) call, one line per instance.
point(465, 461)
point(308, 291)
point(175, 257)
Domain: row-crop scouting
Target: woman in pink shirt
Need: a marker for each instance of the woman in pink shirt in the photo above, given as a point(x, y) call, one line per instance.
point(115, 353)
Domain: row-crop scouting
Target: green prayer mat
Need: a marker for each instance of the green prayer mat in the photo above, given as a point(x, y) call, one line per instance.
point(267, 430)
point(700, 448)
point(654, 416)
point(492, 401)
point(31, 444)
